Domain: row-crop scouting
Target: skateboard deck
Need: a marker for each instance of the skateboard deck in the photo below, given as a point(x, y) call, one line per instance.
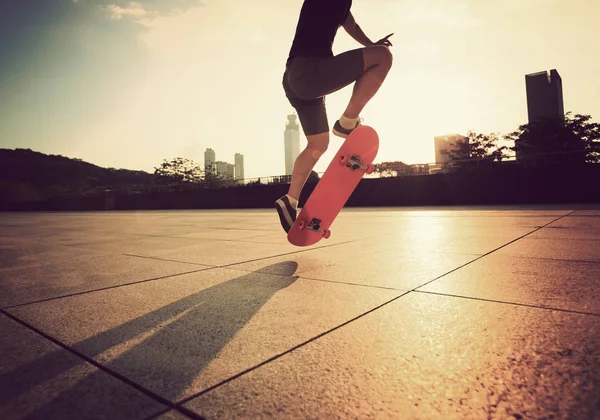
point(350, 163)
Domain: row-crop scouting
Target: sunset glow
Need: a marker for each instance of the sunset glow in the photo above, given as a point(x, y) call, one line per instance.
point(129, 84)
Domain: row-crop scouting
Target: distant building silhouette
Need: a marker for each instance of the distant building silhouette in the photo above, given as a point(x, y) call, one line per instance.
point(239, 166)
point(224, 168)
point(209, 160)
point(544, 100)
point(459, 145)
point(544, 95)
point(291, 137)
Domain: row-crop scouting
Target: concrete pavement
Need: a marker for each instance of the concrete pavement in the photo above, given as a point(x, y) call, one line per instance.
point(407, 313)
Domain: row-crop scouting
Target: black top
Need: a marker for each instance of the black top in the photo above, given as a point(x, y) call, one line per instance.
point(317, 26)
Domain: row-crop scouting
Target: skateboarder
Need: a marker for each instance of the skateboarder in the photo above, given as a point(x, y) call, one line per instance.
point(312, 72)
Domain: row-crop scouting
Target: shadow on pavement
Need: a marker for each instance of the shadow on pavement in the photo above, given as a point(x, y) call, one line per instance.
point(171, 345)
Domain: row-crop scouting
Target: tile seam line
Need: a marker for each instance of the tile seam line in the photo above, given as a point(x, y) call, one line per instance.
point(147, 392)
point(150, 236)
point(205, 268)
point(505, 302)
point(492, 251)
point(291, 349)
point(178, 405)
point(305, 249)
point(564, 260)
point(116, 286)
point(158, 258)
point(324, 280)
point(405, 293)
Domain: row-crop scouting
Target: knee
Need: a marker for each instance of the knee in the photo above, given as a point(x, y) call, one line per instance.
point(384, 56)
point(378, 57)
point(318, 149)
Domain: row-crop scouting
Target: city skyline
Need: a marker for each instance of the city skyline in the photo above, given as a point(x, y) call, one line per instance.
point(126, 85)
point(220, 167)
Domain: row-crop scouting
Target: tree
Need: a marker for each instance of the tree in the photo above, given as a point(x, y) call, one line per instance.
point(477, 148)
point(180, 170)
point(386, 169)
point(550, 141)
point(588, 132)
point(213, 178)
point(210, 172)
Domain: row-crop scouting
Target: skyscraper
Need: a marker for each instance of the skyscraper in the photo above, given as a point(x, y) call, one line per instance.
point(457, 144)
point(291, 137)
point(544, 100)
point(544, 95)
point(225, 169)
point(239, 166)
point(209, 160)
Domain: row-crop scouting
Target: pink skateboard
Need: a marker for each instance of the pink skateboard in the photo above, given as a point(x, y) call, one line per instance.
point(353, 159)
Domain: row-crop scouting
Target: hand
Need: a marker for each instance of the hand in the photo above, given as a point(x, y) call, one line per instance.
point(384, 41)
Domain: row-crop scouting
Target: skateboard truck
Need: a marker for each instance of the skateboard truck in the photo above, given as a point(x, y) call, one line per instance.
point(354, 163)
point(315, 226)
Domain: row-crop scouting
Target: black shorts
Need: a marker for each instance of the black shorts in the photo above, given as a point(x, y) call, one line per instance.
point(307, 80)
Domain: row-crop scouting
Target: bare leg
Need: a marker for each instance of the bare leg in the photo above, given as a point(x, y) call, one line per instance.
point(377, 64)
point(305, 162)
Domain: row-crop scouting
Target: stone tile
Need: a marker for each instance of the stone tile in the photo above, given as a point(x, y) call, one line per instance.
point(390, 267)
point(572, 227)
point(559, 248)
point(571, 285)
point(39, 380)
point(216, 253)
point(530, 222)
point(338, 236)
point(279, 237)
point(180, 335)
point(569, 233)
point(444, 243)
point(465, 211)
point(81, 273)
point(172, 415)
point(148, 245)
point(579, 220)
point(83, 237)
point(587, 212)
point(32, 231)
point(428, 357)
point(19, 251)
point(230, 234)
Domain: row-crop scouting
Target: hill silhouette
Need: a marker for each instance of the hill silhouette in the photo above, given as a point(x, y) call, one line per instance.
point(29, 175)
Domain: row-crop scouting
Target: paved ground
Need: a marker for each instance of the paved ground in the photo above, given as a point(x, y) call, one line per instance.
point(403, 313)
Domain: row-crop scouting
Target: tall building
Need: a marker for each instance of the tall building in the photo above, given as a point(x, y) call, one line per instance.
point(451, 142)
point(209, 159)
point(239, 166)
point(291, 137)
point(544, 95)
point(224, 168)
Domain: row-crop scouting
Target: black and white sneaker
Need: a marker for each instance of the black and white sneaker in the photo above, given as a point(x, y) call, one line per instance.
point(287, 213)
point(340, 131)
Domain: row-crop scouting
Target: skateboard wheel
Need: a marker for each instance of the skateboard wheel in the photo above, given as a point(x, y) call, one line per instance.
point(370, 169)
point(302, 225)
point(327, 234)
point(344, 159)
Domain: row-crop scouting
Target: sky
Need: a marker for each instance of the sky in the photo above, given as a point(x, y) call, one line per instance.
point(128, 84)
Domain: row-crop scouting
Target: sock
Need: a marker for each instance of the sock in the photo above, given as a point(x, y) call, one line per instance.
point(293, 201)
point(348, 123)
